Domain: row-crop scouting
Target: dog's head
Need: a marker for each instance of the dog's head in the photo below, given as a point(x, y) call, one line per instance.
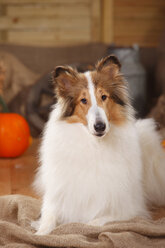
point(95, 98)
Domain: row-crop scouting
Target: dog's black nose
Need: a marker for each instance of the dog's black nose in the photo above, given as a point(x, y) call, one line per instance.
point(99, 127)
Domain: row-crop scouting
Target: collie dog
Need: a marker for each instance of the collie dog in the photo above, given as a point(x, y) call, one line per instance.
point(98, 164)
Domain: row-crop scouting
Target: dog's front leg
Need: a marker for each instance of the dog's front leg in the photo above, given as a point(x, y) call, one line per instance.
point(101, 221)
point(48, 219)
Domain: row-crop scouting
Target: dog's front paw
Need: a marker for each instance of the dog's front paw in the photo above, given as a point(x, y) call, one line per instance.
point(35, 224)
point(95, 222)
point(39, 230)
point(45, 228)
point(43, 231)
point(101, 221)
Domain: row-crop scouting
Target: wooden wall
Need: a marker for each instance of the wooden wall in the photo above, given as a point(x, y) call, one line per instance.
point(138, 21)
point(64, 22)
point(49, 22)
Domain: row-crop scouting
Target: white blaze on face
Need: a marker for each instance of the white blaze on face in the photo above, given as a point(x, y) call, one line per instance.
point(96, 116)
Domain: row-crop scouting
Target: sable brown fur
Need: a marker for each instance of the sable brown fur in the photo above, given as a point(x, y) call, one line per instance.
point(81, 110)
point(108, 77)
point(71, 87)
point(109, 60)
point(68, 85)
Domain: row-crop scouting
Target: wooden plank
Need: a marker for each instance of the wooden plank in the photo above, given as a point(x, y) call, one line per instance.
point(22, 175)
point(107, 21)
point(138, 27)
point(3, 9)
point(47, 10)
point(43, 23)
point(47, 43)
point(144, 41)
point(95, 20)
point(5, 185)
point(139, 22)
point(3, 36)
point(23, 171)
point(60, 37)
point(49, 35)
point(42, 1)
point(142, 12)
point(135, 3)
point(51, 22)
point(16, 175)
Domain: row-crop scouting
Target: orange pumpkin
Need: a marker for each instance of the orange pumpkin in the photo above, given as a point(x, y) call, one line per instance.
point(14, 135)
point(163, 143)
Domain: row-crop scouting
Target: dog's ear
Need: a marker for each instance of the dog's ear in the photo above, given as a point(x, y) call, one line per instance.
point(65, 78)
point(109, 63)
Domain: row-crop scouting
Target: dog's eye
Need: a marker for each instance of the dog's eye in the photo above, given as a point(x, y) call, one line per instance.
point(103, 97)
point(84, 100)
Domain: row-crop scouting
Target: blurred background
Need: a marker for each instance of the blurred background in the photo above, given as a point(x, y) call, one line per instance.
point(37, 35)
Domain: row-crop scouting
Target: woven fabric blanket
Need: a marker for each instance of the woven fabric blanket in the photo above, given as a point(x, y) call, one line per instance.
point(17, 212)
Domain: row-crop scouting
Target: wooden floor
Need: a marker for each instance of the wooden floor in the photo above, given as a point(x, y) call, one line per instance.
point(16, 175)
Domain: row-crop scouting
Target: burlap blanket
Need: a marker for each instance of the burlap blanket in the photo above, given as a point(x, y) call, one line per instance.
point(16, 213)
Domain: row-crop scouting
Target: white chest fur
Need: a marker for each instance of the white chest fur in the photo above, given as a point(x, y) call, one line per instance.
point(87, 176)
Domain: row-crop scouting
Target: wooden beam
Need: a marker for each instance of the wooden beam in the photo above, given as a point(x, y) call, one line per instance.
point(42, 1)
point(95, 20)
point(107, 9)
